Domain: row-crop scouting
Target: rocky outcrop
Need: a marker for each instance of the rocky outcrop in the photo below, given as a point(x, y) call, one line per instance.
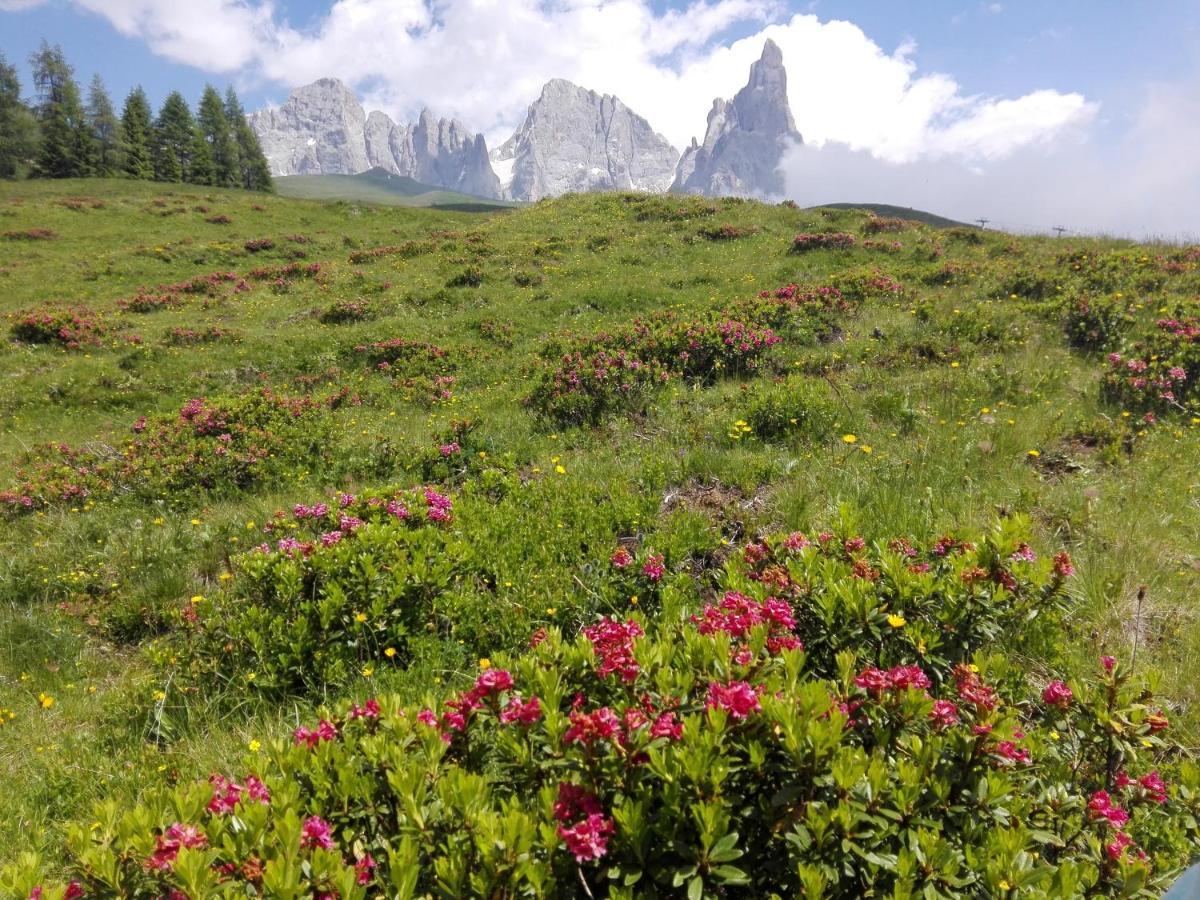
point(574, 139)
point(318, 131)
point(745, 137)
point(321, 130)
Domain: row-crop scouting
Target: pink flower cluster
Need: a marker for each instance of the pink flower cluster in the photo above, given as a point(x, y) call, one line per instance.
point(170, 842)
point(316, 833)
point(738, 698)
point(612, 642)
point(228, 794)
point(311, 737)
point(1057, 693)
point(439, 506)
point(587, 838)
point(972, 689)
point(737, 614)
point(877, 682)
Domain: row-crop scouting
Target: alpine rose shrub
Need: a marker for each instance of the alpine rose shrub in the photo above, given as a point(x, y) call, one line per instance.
point(702, 772)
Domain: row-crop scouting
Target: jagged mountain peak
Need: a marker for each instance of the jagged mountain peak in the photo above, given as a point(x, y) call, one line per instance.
point(745, 137)
point(575, 139)
point(322, 130)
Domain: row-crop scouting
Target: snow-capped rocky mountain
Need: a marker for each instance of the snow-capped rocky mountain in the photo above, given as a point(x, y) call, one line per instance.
point(572, 139)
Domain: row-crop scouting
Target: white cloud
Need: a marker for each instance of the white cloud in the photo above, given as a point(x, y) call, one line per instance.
point(1145, 186)
point(485, 60)
point(16, 5)
point(212, 35)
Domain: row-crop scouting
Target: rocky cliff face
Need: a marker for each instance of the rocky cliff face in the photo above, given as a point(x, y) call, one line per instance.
point(745, 137)
point(318, 131)
point(574, 139)
point(321, 130)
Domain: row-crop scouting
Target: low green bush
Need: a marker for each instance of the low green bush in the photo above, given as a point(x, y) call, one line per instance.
point(831, 729)
point(796, 406)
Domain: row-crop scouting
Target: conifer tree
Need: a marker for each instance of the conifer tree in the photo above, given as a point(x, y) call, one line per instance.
point(200, 166)
point(174, 136)
point(18, 128)
point(136, 137)
point(65, 149)
point(105, 130)
point(255, 171)
point(220, 138)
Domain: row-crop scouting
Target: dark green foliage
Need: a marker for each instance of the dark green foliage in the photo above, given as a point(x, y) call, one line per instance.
point(136, 138)
point(221, 140)
point(174, 140)
point(18, 128)
point(105, 131)
point(202, 170)
point(254, 171)
point(66, 149)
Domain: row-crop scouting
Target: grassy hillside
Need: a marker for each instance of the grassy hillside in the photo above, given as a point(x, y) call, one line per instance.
point(902, 212)
point(381, 187)
point(624, 404)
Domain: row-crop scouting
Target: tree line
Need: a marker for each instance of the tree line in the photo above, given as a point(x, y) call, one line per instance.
point(60, 135)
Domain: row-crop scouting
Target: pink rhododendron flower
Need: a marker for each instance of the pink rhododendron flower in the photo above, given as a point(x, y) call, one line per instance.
point(1116, 848)
point(1100, 806)
point(667, 726)
point(944, 714)
point(574, 803)
point(1154, 786)
point(599, 725)
point(525, 712)
point(1057, 693)
point(369, 710)
point(316, 833)
point(612, 642)
point(621, 558)
point(738, 698)
point(587, 839)
point(653, 567)
point(363, 869)
point(170, 842)
point(491, 682)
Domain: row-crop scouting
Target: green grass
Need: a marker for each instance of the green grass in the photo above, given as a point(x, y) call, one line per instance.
point(949, 387)
point(382, 187)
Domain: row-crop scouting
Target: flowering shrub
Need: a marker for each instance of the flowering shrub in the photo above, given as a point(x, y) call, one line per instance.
point(617, 372)
point(880, 225)
point(340, 312)
point(219, 443)
point(725, 232)
point(147, 303)
point(1096, 323)
point(1158, 373)
point(839, 240)
point(712, 756)
point(31, 234)
point(257, 245)
point(69, 328)
point(340, 584)
point(406, 250)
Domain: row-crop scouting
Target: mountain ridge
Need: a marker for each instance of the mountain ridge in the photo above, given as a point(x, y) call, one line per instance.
point(571, 139)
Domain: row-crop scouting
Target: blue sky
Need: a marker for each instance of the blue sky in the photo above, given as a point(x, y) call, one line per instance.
point(973, 84)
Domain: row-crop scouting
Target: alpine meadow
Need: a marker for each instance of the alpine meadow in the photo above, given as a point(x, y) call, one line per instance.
point(480, 534)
